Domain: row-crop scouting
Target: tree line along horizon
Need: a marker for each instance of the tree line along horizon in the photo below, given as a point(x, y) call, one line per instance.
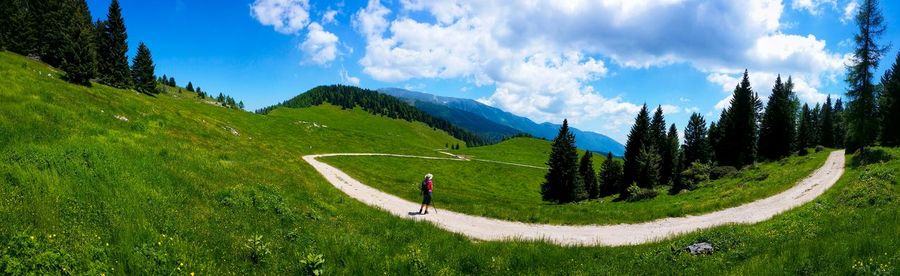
point(62, 34)
point(745, 133)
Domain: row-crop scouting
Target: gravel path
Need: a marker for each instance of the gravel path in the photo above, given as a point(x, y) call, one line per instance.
point(489, 229)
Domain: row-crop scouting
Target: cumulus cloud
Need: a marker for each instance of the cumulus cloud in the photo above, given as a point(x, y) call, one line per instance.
point(814, 7)
point(541, 56)
point(329, 17)
point(850, 12)
point(320, 46)
point(286, 16)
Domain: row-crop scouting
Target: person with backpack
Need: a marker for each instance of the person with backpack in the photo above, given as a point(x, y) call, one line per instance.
point(426, 188)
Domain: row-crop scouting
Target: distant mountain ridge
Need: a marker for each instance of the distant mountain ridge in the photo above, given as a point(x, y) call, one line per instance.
point(584, 139)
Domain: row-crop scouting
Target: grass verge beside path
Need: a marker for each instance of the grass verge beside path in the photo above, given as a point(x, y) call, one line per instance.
point(512, 193)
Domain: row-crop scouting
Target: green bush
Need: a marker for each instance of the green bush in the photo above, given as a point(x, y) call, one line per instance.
point(722, 172)
point(313, 264)
point(258, 249)
point(820, 148)
point(692, 177)
point(636, 193)
point(803, 152)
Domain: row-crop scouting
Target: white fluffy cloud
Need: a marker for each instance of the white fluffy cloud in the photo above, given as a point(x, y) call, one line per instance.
point(320, 46)
point(286, 16)
point(329, 17)
point(814, 7)
point(541, 56)
point(850, 12)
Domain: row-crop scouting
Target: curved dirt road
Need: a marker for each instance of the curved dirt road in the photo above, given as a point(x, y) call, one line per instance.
point(489, 229)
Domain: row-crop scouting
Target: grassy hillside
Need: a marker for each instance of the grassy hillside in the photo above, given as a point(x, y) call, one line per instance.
point(513, 193)
point(174, 191)
point(528, 151)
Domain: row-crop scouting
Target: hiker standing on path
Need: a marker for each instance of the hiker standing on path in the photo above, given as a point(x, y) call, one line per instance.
point(425, 187)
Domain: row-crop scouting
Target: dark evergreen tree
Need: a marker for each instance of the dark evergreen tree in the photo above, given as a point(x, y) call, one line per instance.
point(805, 130)
point(142, 71)
point(816, 118)
point(588, 175)
point(826, 125)
point(890, 105)
point(696, 142)
point(79, 54)
point(220, 98)
point(51, 21)
point(778, 126)
point(739, 126)
point(190, 87)
point(241, 105)
point(863, 123)
point(113, 49)
point(840, 128)
point(648, 167)
point(172, 82)
point(164, 80)
point(670, 157)
point(715, 138)
point(658, 129)
point(17, 27)
point(562, 181)
point(638, 139)
point(610, 176)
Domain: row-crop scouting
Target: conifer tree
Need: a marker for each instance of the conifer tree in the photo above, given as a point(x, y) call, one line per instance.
point(51, 21)
point(778, 126)
point(816, 125)
point(659, 141)
point(17, 27)
point(862, 119)
point(588, 175)
point(190, 87)
point(826, 128)
point(840, 127)
point(172, 82)
point(670, 157)
point(142, 71)
point(715, 136)
point(241, 105)
point(638, 139)
point(113, 49)
point(890, 105)
point(696, 142)
point(648, 167)
point(79, 54)
point(562, 181)
point(739, 126)
point(610, 176)
point(805, 130)
point(220, 98)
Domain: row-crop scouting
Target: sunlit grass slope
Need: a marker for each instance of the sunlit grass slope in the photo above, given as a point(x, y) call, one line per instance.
point(173, 190)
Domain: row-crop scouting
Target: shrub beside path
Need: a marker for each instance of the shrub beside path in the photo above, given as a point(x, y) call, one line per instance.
point(490, 229)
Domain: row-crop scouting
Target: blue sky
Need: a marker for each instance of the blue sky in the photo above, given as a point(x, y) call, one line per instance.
point(593, 62)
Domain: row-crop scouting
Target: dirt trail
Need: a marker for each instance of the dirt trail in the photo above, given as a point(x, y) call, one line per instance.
point(489, 229)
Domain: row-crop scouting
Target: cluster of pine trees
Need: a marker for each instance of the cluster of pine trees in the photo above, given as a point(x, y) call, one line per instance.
point(570, 179)
point(746, 131)
point(61, 34)
point(376, 103)
point(228, 101)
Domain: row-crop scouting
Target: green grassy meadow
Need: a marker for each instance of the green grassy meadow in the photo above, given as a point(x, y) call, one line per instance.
point(513, 193)
point(184, 187)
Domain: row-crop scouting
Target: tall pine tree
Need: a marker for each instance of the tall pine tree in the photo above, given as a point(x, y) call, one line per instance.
point(739, 126)
point(562, 182)
point(610, 176)
point(840, 128)
point(805, 130)
point(112, 50)
point(79, 54)
point(890, 105)
point(862, 119)
point(778, 125)
point(638, 139)
point(588, 175)
point(715, 140)
point(190, 87)
point(670, 157)
point(696, 143)
point(826, 125)
point(142, 71)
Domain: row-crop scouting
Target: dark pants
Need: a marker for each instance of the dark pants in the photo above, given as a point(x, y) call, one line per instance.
point(427, 198)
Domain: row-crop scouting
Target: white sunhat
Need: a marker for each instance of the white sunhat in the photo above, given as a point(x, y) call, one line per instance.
point(428, 176)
